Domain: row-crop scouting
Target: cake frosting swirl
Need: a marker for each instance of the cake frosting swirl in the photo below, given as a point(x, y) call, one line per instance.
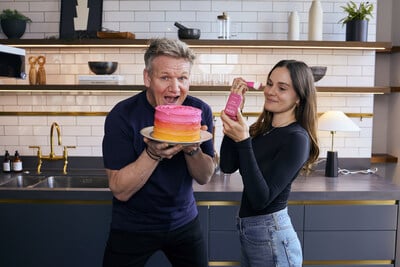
point(177, 123)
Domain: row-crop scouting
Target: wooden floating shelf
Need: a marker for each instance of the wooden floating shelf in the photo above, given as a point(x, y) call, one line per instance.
point(383, 158)
point(395, 49)
point(275, 44)
point(193, 88)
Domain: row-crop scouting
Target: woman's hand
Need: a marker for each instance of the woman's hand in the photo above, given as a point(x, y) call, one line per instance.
point(240, 87)
point(236, 130)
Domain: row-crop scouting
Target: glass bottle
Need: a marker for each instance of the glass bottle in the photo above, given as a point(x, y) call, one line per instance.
point(224, 26)
point(7, 162)
point(17, 162)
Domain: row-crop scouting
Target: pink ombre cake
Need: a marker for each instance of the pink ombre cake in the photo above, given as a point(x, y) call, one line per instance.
point(177, 123)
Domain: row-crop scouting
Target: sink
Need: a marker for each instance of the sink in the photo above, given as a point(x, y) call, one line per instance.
point(73, 182)
point(5, 178)
point(23, 181)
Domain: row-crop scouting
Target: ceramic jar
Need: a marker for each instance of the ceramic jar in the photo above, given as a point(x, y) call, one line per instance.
point(315, 21)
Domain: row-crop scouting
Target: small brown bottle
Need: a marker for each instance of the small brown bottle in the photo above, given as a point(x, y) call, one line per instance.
point(7, 162)
point(17, 163)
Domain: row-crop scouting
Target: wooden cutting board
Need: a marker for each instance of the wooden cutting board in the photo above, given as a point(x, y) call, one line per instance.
point(115, 35)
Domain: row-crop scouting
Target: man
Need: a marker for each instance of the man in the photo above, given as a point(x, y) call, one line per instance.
point(153, 204)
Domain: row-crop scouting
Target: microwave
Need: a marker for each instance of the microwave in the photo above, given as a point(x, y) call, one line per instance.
point(12, 62)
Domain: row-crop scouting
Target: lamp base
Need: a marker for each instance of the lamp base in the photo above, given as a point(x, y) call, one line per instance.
point(331, 167)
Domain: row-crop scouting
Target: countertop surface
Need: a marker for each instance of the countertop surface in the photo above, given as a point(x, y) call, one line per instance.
point(228, 187)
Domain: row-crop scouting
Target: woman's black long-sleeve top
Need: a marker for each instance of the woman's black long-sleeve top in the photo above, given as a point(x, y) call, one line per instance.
point(268, 165)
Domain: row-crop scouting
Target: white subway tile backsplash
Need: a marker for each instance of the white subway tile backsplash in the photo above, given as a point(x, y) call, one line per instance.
point(69, 141)
point(90, 120)
point(18, 130)
point(43, 6)
point(76, 108)
point(8, 100)
point(195, 5)
point(96, 152)
point(90, 100)
point(89, 141)
point(119, 16)
point(18, 108)
point(77, 130)
point(363, 60)
point(97, 130)
point(360, 81)
point(134, 5)
point(8, 120)
point(9, 140)
point(360, 101)
point(258, 6)
point(147, 19)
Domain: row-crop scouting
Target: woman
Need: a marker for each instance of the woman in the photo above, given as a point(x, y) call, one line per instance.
point(269, 156)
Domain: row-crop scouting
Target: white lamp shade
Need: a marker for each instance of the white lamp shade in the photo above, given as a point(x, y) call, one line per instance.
point(336, 120)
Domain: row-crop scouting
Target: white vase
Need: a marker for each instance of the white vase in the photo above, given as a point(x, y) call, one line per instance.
point(315, 20)
point(294, 26)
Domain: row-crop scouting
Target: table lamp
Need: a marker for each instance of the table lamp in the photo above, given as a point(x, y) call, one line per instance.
point(334, 121)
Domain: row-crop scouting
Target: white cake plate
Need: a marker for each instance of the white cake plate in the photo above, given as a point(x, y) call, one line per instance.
point(148, 132)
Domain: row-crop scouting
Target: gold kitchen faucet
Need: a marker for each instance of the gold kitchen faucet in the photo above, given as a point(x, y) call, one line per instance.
point(52, 156)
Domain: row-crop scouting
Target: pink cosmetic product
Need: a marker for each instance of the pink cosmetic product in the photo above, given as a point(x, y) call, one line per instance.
point(255, 85)
point(232, 105)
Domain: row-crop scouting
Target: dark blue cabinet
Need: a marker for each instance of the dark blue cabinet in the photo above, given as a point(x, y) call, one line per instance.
point(350, 232)
point(53, 234)
point(68, 233)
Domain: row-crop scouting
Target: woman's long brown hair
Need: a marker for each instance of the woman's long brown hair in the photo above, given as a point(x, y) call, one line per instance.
point(305, 112)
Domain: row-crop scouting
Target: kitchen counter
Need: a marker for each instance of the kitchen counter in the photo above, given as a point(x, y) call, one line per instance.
point(332, 216)
point(225, 187)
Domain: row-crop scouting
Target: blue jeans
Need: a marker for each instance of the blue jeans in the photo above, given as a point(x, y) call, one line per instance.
point(269, 241)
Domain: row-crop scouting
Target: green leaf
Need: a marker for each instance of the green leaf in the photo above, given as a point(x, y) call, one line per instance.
point(361, 12)
point(13, 14)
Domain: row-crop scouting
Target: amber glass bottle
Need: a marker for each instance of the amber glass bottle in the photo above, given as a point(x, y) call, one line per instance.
point(17, 163)
point(7, 162)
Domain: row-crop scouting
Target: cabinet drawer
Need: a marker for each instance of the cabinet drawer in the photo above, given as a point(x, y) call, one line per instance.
point(224, 217)
point(224, 246)
point(350, 217)
point(349, 245)
point(296, 213)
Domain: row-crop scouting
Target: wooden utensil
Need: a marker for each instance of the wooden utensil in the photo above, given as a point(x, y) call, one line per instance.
point(41, 74)
point(32, 70)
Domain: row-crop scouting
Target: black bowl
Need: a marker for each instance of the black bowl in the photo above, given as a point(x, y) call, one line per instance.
point(189, 33)
point(103, 67)
point(318, 72)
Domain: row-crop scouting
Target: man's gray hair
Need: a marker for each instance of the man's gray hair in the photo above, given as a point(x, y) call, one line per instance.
point(167, 47)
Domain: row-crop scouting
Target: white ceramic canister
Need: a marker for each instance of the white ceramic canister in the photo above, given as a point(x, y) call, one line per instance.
point(315, 21)
point(294, 26)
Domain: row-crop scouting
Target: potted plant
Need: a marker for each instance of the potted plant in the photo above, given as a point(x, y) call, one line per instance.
point(356, 20)
point(13, 23)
